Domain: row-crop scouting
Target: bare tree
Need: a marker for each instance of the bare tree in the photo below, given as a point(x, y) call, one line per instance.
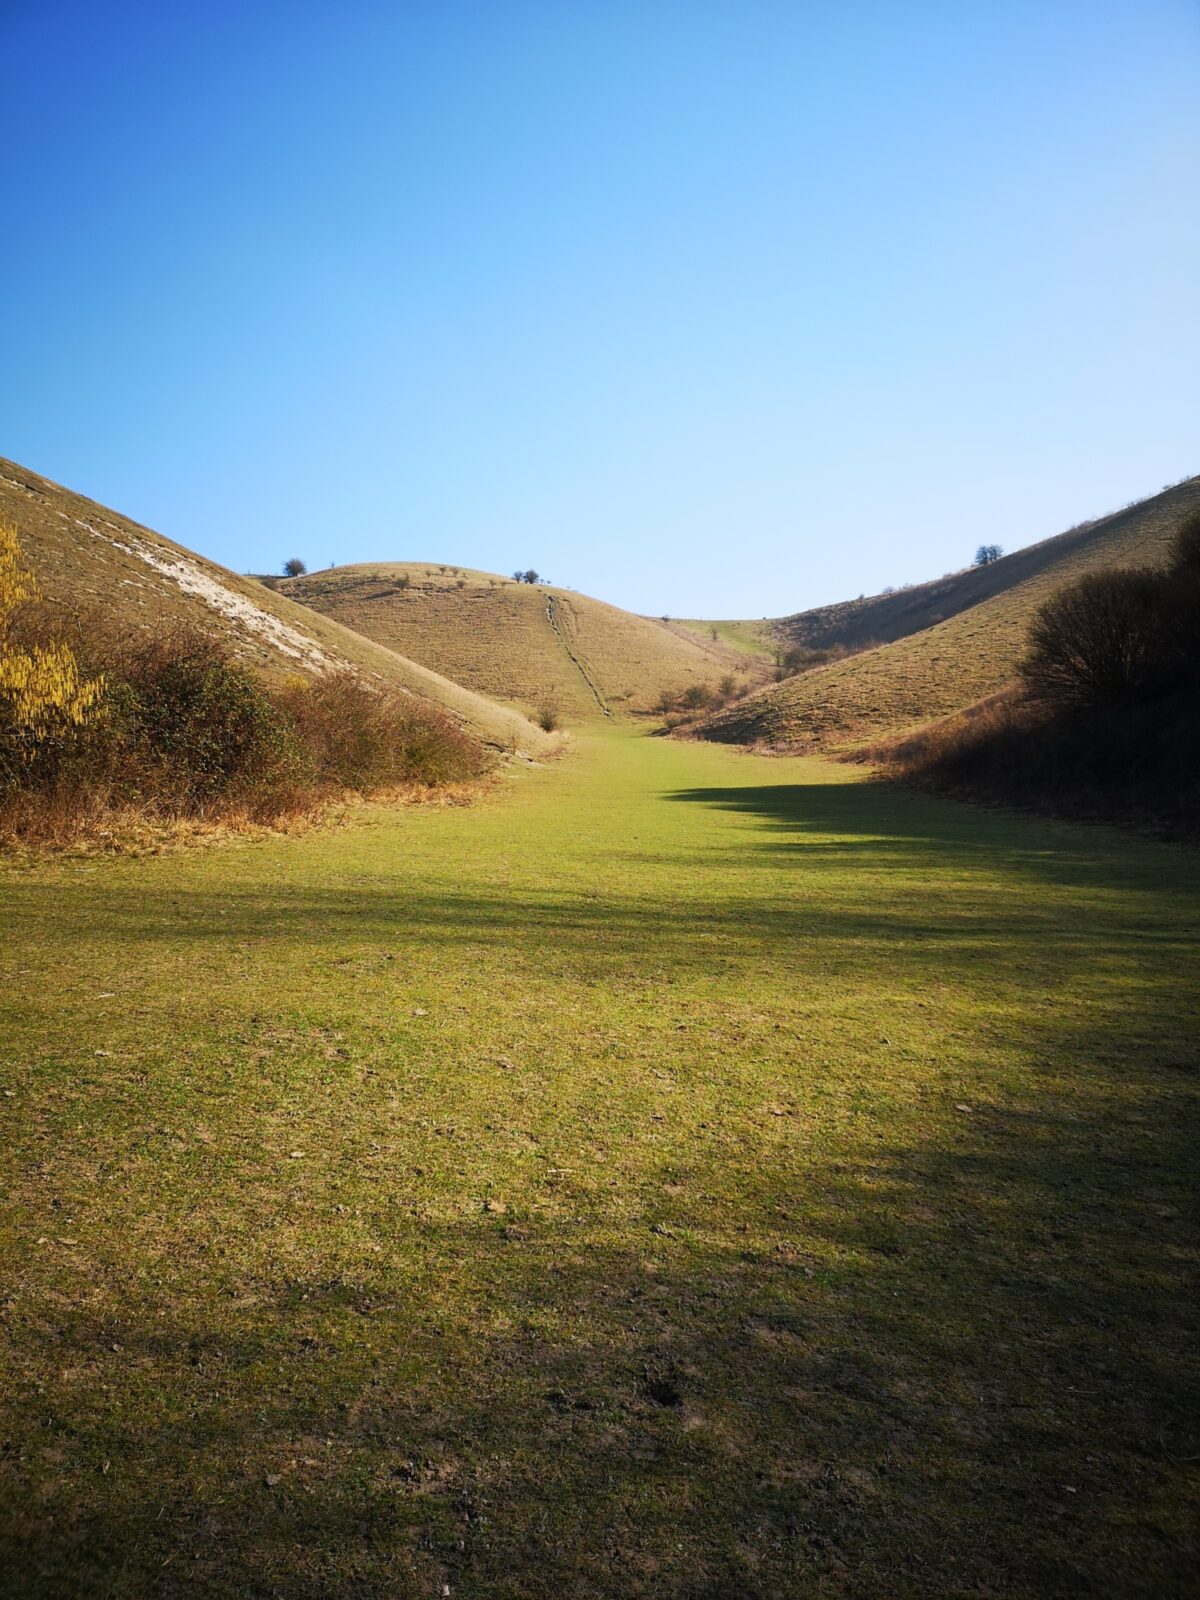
point(294, 568)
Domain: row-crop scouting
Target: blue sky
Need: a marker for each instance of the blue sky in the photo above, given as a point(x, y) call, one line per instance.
point(709, 309)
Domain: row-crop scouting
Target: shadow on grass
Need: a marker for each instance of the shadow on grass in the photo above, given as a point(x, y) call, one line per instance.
point(955, 1364)
point(952, 1355)
point(880, 846)
point(867, 817)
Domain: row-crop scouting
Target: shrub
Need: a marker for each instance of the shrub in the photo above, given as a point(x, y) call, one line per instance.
point(695, 696)
point(194, 728)
point(1113, 636)
point(44, 697)
point(1107, 723)
point(548, 718)
point(355, 738)
point(294, 568)
point(1185, 549)
point(184, 731)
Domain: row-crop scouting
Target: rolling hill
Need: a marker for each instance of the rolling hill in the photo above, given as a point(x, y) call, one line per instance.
point(88, 557)
point(947, 643)
point(537, 646)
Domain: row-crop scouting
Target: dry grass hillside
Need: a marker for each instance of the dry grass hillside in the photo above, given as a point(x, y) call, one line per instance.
point(539, 646)
point(90, 559)
point(947, 664)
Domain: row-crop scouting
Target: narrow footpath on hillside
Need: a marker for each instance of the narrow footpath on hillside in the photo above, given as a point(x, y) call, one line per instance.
point(583, 670)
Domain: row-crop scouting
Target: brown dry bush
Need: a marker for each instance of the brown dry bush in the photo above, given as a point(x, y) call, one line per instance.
point(185, 733)
point(1109, 637)
point(1185, 550)
point(1106, 722)
point(356, 738)
point(1120, 637)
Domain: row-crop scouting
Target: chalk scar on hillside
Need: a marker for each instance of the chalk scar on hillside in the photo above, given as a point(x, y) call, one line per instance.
point(234, 607)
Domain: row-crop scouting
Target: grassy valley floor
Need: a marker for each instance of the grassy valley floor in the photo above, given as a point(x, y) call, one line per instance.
point(682, 1174)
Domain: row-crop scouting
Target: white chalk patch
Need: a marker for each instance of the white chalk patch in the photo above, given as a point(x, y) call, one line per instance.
point(235, 608)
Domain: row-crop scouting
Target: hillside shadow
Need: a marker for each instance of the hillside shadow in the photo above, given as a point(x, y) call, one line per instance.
point(869, 816)
point(960, 1363)
point(947, 1354)
point(596, 937)
point(1108, 896)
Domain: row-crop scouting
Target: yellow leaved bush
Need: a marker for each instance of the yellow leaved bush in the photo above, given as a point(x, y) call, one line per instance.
point(41, 687)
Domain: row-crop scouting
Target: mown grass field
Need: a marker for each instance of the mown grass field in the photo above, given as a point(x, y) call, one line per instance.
point(681, 1174)
point(536, 646)
point(932, 667)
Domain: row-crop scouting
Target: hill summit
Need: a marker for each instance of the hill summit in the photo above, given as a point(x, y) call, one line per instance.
point(537, 646)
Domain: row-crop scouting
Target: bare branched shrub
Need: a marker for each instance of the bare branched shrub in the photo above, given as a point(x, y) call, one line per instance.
point(1185, 548)
point(353, 737)
point(1108, 637)
point(1107, 721)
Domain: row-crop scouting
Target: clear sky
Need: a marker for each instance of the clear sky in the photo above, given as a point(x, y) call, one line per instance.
point(709, 309)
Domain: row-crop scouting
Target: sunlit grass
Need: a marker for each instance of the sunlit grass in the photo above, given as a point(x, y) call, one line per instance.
point(679, 1174)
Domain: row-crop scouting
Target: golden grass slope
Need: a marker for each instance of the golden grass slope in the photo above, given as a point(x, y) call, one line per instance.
point(949, 665)
point(538, 646)
point(90, 559)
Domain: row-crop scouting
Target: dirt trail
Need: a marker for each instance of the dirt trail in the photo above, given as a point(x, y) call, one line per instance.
point(584, 671)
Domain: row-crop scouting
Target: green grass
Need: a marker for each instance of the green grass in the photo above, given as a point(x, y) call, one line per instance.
point(755, 639)
point(682, 1174)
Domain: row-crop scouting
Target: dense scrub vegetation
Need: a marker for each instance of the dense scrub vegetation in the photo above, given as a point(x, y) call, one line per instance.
point(101, 729)
point(1105, 720)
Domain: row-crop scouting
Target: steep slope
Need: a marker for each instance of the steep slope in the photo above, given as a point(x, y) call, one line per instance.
point(946, 666)
point(88, 558)
point(535, 645)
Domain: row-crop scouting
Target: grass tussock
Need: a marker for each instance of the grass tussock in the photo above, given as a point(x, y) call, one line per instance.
point(133, 735)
